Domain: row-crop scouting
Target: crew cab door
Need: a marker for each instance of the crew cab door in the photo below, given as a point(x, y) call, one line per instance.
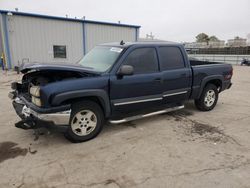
point(176, 74)
point(140, 91)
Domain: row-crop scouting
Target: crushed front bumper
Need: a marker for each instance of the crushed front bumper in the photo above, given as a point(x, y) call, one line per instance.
point(32, 119)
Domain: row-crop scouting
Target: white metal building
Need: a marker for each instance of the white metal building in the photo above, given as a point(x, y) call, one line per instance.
point(26, 37)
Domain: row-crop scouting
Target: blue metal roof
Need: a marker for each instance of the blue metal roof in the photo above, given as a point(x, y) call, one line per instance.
point(66, 19)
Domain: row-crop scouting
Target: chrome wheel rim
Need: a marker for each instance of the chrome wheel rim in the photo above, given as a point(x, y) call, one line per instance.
point(209, 98)
point(84, 122)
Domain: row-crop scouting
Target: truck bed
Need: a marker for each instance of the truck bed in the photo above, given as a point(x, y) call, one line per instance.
point(197, 62)
point(205, 69)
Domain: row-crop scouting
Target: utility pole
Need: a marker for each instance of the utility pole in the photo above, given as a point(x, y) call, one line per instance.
point(150, 36)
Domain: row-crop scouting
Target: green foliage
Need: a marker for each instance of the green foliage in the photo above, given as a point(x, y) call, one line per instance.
point(203, 37)
point(213, 38)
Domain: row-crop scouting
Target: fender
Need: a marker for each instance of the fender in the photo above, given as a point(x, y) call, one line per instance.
point(207, 79)
point(99, 93)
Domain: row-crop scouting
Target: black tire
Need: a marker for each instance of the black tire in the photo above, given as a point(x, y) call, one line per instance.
point(81, 107)
point(202, 104)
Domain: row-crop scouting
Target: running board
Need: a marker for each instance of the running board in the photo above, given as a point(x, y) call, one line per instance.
point(146, 115)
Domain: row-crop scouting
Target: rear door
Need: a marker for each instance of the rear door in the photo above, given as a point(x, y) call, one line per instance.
point(141, 91)
point(177, 76)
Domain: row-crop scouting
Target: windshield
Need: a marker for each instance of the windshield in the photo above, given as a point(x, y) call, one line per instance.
point(100, 58)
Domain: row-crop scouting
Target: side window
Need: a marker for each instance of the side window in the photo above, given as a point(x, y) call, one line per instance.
point(144, 60)
point(171, 58)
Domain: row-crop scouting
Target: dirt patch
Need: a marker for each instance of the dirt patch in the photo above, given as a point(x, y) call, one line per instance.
point(198, 130)
point(201, 129)
point(209, 132)
point(180, 114)
point(129, 124)
point(9, 150)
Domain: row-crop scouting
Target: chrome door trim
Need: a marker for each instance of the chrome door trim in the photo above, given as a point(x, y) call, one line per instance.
point(137, 101)
point(177, 93)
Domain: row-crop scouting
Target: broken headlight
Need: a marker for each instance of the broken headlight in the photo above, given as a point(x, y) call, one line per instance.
point(36, 101)
point(35, 91)
point(35, 95)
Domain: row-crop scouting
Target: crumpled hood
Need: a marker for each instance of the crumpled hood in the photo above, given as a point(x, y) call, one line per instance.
point(54, 66)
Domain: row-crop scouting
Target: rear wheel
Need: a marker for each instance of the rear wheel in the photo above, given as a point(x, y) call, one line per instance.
point(86, 121)
point(208, 98)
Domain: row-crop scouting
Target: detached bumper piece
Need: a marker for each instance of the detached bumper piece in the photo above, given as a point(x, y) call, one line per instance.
point(16, 86)
point(26, 124)
point(31, 119)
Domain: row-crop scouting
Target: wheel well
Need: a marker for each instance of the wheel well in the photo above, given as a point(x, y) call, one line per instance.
point(89, 98)
point(216, 82)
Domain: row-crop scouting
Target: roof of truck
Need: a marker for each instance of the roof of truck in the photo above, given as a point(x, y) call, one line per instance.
point(127, 44)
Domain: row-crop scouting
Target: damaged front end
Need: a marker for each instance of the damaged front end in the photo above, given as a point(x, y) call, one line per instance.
point(32, 105)
point(32, 102)
point(33, 117)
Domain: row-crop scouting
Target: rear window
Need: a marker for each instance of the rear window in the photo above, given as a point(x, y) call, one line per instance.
point(144, 60)
point(171, 58)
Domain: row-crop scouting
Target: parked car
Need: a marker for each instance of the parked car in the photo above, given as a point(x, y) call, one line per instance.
point(116, 83)
point(245, 62)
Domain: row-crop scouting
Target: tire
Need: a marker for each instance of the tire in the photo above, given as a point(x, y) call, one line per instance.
point(208, 98)
point(86, 121)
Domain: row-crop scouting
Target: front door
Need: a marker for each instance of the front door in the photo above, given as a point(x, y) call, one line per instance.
point(141, 91)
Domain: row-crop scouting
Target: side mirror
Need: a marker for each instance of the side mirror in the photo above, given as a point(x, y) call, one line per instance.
point(126, 70)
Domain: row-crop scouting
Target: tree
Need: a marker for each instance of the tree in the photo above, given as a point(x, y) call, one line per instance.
point(213, 38)
point(202, 37)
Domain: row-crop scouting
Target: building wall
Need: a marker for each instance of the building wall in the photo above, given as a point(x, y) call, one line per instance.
point(210, 44)
point(31, 39)
point(237, 42)
point(97, 33)
point(1, 41)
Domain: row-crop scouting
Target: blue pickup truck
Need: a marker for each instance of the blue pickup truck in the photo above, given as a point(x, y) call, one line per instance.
point(115, 82)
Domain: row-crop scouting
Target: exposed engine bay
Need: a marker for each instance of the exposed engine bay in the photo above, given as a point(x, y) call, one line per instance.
point(34, 80)
point(42, 78)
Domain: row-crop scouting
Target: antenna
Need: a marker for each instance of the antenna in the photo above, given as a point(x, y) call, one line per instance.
point(122, 43)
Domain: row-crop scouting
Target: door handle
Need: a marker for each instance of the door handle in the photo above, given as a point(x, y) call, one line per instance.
point(158, 80)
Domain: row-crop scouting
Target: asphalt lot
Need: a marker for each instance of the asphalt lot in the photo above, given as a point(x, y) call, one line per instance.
point(186, 148)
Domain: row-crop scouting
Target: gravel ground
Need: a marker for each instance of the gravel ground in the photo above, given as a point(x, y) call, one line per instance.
point(186, 148)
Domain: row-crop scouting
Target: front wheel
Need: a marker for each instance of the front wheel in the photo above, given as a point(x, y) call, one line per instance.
point(86, 121)
point(208, 98)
